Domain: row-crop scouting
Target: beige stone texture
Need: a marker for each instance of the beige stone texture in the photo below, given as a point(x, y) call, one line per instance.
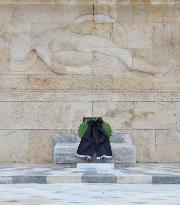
point(64, 179)
point(26, 146)
point(40, 146)
point(40, 115)
point(167, 145)
point(87, 96)
point(133, 179)
point(138, 115)
point(5, 14)
point(14, 146)
point(144, 140)
point(61, 60)
point(55, 82)
point(154, 63)
point(88, 82)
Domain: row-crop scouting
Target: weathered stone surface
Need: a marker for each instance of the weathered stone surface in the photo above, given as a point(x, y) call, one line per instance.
point(70, 137)
point(136, 179)
point(144, 61)
point(37, 115)
point(137, 115)
point(87, 96)
point(5, 180)
point(29, 179)
point(122, 153)
point(97, 166)
point(5, 14)
point(140, 84)
point(40, 146)
point(139, 35)
point(161, 173)
point(99, 178)
point(144, 140)
point(26, 146)
point(119, 2)
point(167, 145)
point(55, 82)
point(61, 60)
point(66, 153)
point(64, 179)
point(165, 179)
point(14, 146)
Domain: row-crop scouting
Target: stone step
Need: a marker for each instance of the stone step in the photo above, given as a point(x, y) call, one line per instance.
point(66, 144)
point(97, 166)
point(44, 174)
point(65, 153)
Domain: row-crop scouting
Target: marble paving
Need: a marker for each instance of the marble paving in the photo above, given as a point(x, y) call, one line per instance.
point(91, 194)
point(47, 174)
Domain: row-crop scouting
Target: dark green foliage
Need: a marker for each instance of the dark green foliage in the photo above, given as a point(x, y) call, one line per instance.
point(84, 125)
point(82, 128)
point(107, 129)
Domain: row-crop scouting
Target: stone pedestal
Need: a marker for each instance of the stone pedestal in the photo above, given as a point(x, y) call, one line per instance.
point(97, 166)
point(65, 147)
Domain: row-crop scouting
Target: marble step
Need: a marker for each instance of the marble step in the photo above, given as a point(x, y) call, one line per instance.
point(97, 166)
point(65, 153)
point(149, 173)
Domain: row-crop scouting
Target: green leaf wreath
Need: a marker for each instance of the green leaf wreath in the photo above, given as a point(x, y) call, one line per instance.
point(105, 126)
point(82, 128)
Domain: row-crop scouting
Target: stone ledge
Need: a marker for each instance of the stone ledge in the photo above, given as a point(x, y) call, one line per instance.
point(112, 2)
point(66, 144)
point(50, 174)
point(64, 153)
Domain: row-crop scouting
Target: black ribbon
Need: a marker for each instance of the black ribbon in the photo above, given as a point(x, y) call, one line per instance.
point(98, 122)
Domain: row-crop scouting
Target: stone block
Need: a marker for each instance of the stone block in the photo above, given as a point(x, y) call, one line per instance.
point(137, 84)
point(55, 82)
point(123, 153)
point(40, 146)
point(137, 115)
point(97, 166)
point(144, 140)
point(122, 13)
point(165, 179)
point(86, 82)
point(168, 13)
point(6, 14)
point(145, 59)
point(167, 145)
point(147, 14)
point(39, 115)
point(26, 146)
point(87, 96)
point(134, 179)
point(64, 179)
point(139, 35)
point(99, 178)
point(14, 146)
point(65, 153)
point(29, 179)
point(5, 180)
point(50, 13)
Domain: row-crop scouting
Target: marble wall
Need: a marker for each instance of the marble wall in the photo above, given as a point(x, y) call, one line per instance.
point(61, 60)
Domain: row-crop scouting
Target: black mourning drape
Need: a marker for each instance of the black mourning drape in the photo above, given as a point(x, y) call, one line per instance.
point(95, 140)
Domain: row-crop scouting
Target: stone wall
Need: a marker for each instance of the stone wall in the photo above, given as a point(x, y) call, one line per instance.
point(62, 60)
